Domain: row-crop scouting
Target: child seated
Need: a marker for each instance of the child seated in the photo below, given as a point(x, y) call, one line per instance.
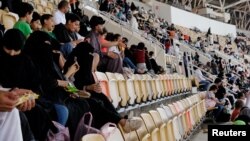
point(238, 105)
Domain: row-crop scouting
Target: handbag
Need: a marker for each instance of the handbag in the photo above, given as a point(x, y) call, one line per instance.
point(85, 128)
point(62, 135)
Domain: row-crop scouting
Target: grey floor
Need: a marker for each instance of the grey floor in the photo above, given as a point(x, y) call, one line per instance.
point(199, 136)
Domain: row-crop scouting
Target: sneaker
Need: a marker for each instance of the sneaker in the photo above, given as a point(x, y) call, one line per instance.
point(132, 124)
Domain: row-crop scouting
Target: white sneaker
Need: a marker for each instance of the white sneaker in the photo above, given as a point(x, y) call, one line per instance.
point(132, 124)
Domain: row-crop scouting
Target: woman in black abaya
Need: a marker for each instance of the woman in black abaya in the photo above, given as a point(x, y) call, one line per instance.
point(39, 48)
point(102, 109)
point(17, 70)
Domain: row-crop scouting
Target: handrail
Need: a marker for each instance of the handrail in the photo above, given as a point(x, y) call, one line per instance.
point(125, 24)
point(209, 74)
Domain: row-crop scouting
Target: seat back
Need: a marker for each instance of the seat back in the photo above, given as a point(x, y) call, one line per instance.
point(176, 129)
point(151, 127)
point(114, 90)
point(115, 136)
point(170, 131)
point(143, 87)
point(148, 87)
point(137, 87)
point(93, 137)
point(143, 134)
point(103, 81)
point(159, 123)
point(168, 111)
point(163, 115)
point(158, 86)
point(122, 87)
point(131, 136)
point(9, 19)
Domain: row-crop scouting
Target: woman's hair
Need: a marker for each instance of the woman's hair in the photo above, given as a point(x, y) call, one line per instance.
point(35, 17)
point(239, 104)
point(104, 31)
point(141, 46)
point(217, 80)
point(110, 36)
point(13, 39)
point(213, 88)
point(116, 37)
point(24, 8)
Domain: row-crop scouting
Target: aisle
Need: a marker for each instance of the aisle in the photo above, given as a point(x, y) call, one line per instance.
point(200, 136)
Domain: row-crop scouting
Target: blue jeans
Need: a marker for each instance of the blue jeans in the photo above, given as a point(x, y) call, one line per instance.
point(62, 113)
point(218, 111)
point(205, 83)
point(129, 63)
point(66, 49)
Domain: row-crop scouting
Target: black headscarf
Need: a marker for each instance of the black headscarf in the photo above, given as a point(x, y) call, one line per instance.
point(84, 54)
point(19, 70)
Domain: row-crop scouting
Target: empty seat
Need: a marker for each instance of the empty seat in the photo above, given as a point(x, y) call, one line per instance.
point(159, 86)
point(114, 89)
point(131, 136)
point(109, 88)
point(143, 87)
point(163, 114)
point(143, 134)
point(159, 124)
point(151, 127)
point(149, 87)
point(9, 19)
point(138, 92)
point(115, 135)
point(126, 87)
point(93, 137)
point(170, 132)
point(176, 129)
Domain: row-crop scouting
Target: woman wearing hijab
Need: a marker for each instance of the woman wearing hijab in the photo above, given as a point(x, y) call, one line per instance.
point(38, 47)
point(100, 106)
point(19, 71)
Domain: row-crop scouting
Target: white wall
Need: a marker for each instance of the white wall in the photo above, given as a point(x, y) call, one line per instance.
point(140, 4)
point(189, 20)
point(162, 10)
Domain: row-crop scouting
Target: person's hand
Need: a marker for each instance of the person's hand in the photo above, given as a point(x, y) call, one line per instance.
point(29, 104)
point(7, 101)
point(95, 87)
point(63, 83)
point(112, 55)
point(76, 42)
point(72, 70)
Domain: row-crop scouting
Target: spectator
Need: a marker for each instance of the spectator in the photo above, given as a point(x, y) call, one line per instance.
point(201, 78)
point(25, 15)
point(157, 69)
point(59, 15)
point(139, 55)
point(237, 108)
point(48, 24)
point(35, 22)
point(96, 24)
point(67, 34)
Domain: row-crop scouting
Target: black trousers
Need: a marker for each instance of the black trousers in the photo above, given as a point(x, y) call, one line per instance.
point(102, 110)
point(26, 131)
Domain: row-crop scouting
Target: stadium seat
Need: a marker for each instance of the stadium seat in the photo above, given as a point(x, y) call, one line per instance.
point(114, 90)
point(160, 124)
point(93, 137)
point(151, 127)
point(9, 19)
